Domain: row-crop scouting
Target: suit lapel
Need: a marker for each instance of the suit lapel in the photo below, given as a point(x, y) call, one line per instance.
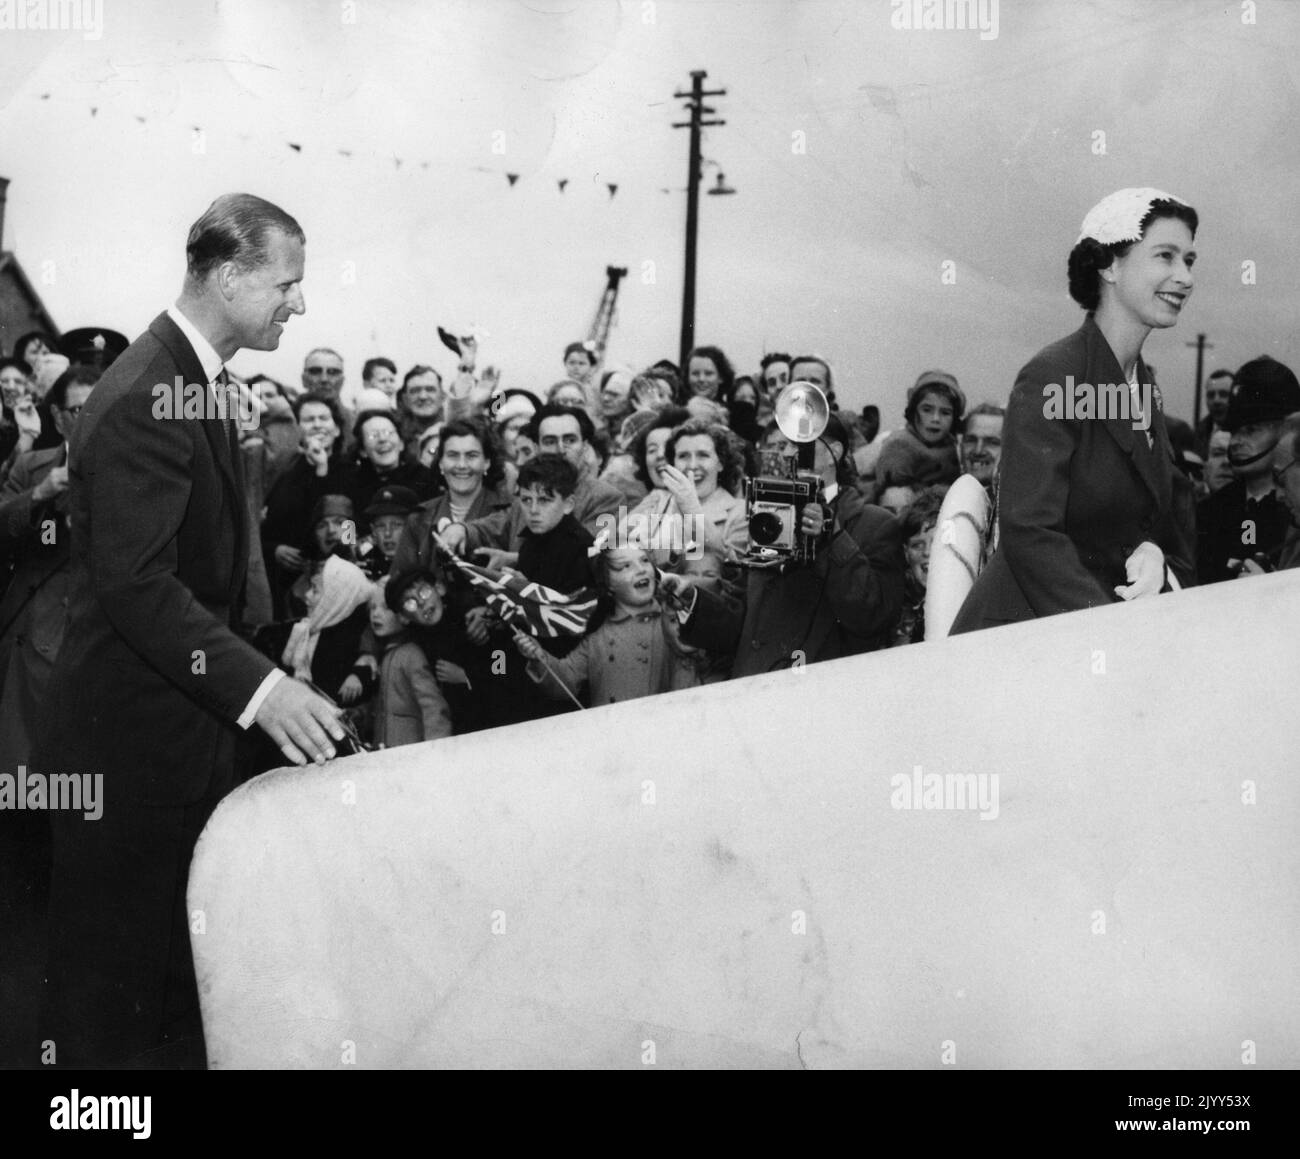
point(1104, 369)
point(221, 436)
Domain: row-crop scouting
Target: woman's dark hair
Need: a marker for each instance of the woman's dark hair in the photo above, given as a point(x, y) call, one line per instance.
point(331, 405)
point(669, 416)
point(487, 441)
point(20, 347)
point(939, 390)
point(726, 375)
point(1090, 256)
point(726, 445)
point(78, 375)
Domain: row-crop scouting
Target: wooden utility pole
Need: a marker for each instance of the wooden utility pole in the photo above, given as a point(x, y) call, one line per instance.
point(1201, 347)
point(698, 110)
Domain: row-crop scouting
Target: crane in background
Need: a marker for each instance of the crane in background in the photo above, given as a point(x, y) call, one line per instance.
point(604, 319)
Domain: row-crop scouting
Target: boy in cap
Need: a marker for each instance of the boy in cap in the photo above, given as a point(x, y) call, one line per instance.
point(386, 513)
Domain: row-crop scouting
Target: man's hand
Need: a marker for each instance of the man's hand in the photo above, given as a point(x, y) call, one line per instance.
point(813, 520)
point(1145, 570)
point(495, 557)
point(300, 722)
point(289, 558)
point(476, 626)
point(54, 484)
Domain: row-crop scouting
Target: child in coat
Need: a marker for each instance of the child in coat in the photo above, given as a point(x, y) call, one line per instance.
point(630, 653)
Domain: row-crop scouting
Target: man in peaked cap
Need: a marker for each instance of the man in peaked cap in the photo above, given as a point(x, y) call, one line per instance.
point(1247, 517)
point(93, 346)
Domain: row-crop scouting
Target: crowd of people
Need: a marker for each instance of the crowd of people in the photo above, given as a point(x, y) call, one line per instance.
point(199, 588)
point(364, 496)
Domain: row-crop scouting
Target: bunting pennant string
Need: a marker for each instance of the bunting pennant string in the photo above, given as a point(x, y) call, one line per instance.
point(299, 148)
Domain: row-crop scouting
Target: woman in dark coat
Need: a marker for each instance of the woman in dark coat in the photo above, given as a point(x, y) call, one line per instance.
point(1092, 508)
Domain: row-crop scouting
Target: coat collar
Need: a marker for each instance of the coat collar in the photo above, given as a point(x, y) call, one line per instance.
point(1103, 368)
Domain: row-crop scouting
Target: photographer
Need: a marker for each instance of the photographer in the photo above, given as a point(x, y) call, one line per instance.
point(846, 601)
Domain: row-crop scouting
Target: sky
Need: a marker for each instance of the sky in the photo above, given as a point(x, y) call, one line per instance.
point(905, 199)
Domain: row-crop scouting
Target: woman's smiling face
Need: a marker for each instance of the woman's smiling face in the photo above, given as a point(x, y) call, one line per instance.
point(1152, 282)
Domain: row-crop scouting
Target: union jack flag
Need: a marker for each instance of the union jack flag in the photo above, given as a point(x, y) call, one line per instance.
point(530, 607)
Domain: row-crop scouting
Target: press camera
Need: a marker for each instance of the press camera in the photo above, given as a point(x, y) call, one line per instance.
point(776, 498)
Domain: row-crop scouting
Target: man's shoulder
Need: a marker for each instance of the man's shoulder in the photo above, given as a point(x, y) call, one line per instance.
point(863, 519)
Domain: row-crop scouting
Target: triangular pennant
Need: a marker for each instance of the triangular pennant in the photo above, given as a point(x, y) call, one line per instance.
point(345, 152)
point(93, 110)
point(563, 181)
point(512, 177)
point(295, 148)
point(613, 189)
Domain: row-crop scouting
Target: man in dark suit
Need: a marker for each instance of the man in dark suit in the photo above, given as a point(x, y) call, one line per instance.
point(152, 683)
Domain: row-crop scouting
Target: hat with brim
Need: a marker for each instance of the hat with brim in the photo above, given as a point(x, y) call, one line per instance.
point(93, 346)
point(1266, 390)
point(392, 501)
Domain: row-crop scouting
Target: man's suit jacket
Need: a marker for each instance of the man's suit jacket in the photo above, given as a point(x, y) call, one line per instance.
point(151, 677)
point(1077, 495)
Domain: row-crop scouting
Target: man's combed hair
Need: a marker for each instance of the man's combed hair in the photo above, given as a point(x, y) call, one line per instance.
point(236, 228)
point(1090, 257)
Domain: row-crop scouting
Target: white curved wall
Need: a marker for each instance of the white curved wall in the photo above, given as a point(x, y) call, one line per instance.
point(514, 899)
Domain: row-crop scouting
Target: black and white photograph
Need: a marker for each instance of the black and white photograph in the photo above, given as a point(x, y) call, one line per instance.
point(697, 535)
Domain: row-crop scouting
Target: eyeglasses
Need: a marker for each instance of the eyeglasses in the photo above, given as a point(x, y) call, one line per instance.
point(418, 599)
point(332, 371)
point(1280, 472)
